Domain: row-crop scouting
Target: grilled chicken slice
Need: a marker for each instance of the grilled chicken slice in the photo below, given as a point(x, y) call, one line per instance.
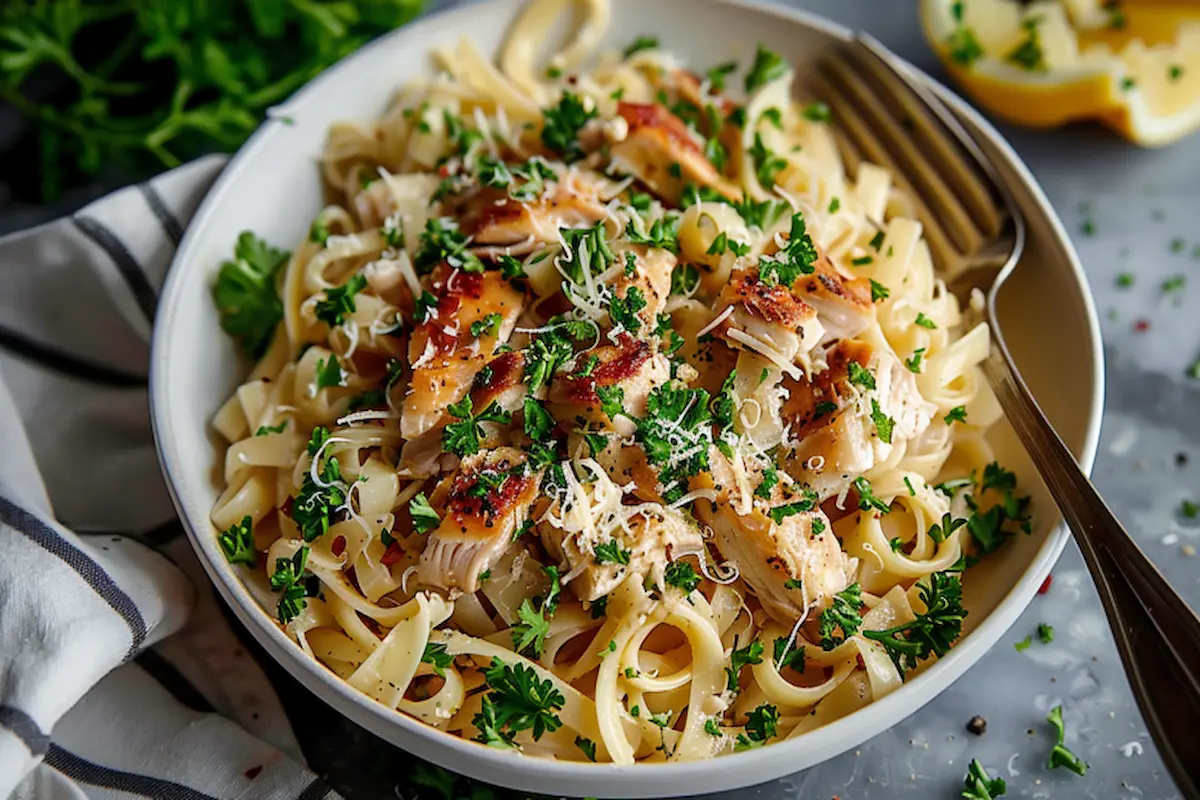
point(487, 502)
point(830, 415)
point(658, 139)
point(651, 274)
point(630, 365)
point(652, 541)
point(843, 304)
point(500, 381)
point(768, 319)
point(791, 565)
point(490, 217)
point(444, 354)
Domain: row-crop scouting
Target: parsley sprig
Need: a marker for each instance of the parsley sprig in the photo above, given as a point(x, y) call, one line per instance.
point(795, 259)
point(932, 632)
point(245, 293)
point(561, 124)
point(288, 579)
point(978, 785)
point(761, 724)
point(1060, 756)
point(237, 542)
point(842, 615)
point(517, 700)
point(462, 438)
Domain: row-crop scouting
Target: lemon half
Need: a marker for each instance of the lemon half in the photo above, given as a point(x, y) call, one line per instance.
point(1133, 66)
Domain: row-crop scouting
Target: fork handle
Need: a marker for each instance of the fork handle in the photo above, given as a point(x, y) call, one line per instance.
point(1157, 634)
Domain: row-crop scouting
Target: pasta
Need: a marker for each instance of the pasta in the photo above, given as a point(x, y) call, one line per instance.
point(608, 417)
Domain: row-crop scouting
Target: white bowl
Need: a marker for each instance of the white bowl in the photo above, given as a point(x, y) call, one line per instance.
point(273, 187)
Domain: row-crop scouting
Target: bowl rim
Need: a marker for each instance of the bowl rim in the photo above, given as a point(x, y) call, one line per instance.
point(746, 768)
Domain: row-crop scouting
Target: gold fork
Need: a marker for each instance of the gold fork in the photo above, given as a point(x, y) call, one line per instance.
point(886, 113)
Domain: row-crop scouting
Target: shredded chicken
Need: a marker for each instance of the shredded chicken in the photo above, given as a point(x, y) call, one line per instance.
point(486, 502)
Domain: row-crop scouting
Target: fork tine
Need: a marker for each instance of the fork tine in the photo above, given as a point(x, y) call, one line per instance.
point(958, 168)
point(903, 154)
point(851, 127)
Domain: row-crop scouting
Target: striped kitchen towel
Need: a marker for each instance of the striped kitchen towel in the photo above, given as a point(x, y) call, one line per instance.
point(119, 676)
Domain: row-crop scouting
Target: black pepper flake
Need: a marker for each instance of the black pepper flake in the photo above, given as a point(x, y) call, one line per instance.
point(1181, 460)
point(977, 725)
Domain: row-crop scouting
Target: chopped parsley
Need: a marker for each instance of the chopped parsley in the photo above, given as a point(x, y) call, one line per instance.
point(551, 349)
point(676, 415)
point(245, 293)
point(767, 67)
point(842, 615)
point(989, 529)
point(767, 164)
point(623, 310)
point(685, 278)
point(424, 517)
point(462, 438)
point(237, 542)
point(288, 580)
point(587, 746)
point(817, 112)
point(780, 513)
point(662, 234)
point(329, 372)
point(717, 75)
point(264, 430)
point(611, 552)
point(933, 631)
point(424, 307)
point(861, 376)
point(1045, 633)
point(940, 531)
point(1024, 644)
point(978, 785)
point(761, 724)
point(561, 124)
point(878, 290)
point(883, 423)
point(748, 655)
point(795, 259)
point(517, 700)
point(914, 362)
point(612, 400)
point(956, 414)
point(315, 504)
point(769, 480)
point(486, 326)
point(435, 654)
point(1060, 756)
point(866, 497)
point(682, 576)
point(1028, 53)
point(925, 322)
point(529, 635)
point(785, 656)
point(442, 241)
point(638, 45)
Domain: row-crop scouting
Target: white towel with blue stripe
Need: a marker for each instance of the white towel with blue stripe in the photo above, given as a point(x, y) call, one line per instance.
point(119, 676)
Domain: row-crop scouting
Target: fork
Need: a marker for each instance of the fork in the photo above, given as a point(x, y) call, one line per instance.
point(886, 113)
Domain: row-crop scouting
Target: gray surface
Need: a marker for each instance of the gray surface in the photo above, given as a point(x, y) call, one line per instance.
point(1140, 201)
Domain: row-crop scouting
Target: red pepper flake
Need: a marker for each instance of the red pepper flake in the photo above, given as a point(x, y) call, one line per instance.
point(392, 555)
point(252, 773)
point(1045, 587)
point(339, 545)
point(1141, 326)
